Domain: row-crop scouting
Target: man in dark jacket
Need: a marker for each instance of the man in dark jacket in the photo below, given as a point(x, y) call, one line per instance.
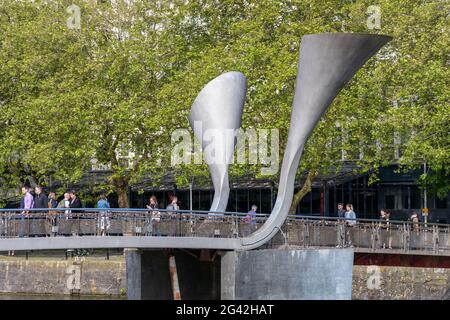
point(341, 211)
point(74, 201)
point(40, 199)
point(340, 225)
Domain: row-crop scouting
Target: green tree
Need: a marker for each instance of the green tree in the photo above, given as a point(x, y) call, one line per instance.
point(116, 89)
point(76, 95)
point(383, 116)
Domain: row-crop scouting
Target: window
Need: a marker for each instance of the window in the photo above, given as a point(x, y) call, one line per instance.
point(205, 199)
point(266, 201)
point(411, 197)
point(360, 205)
point(254, 198)
point(183, 199)
point(441, 203)
point(305, 204)
point(315, 200)
point(195, 200)
point(231, 206)
point(331, 204)
point(405, 201)
point(242, 200)
point(389, 201)
point(415, 198)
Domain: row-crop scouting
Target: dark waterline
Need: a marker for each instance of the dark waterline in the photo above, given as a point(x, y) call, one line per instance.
point(18, 296)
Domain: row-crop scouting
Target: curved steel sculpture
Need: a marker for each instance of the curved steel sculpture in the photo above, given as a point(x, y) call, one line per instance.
point(327, 62)
point(215, 115)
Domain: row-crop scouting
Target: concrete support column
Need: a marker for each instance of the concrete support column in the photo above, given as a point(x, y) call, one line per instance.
point(148, 276)
point(133, 273)
point(312, 274)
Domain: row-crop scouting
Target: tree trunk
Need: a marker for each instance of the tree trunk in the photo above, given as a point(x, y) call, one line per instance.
point(303, 190)
point(121, 186)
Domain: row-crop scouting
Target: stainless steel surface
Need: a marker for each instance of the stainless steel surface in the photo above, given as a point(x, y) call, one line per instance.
point(327, 62)
point(215, 114)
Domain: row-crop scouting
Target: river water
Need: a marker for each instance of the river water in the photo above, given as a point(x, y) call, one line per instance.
point(18, 296)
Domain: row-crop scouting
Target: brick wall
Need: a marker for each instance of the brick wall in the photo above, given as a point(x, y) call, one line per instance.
point(84, 276)
point(396, 283)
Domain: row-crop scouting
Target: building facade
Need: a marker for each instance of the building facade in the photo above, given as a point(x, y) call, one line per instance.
point(398, 192)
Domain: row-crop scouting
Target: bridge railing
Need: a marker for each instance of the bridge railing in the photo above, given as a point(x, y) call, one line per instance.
point(125, 222)
point(302, 231)
point(368, 234)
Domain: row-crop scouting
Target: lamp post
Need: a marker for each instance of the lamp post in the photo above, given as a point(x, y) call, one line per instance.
point(190, 194)
point(425, 200)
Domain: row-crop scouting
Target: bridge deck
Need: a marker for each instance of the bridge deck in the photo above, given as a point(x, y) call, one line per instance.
point(132, 228)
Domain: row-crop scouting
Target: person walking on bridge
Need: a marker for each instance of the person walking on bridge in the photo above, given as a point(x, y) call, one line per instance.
point(154, 217)
point(52, 202)
point(75, 202)
point(340, 211)
point(53, 214)
point(415, 221)
point(27, 202)
point(40, 199)
point(104, 222)
point(350, 219)
point(385, 225)
point(340, 225)
point(250, 220)
point(175, 217)
point(65, 203)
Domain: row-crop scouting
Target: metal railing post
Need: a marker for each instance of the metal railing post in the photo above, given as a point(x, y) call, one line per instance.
point(406, 237)
point(435, 239)
point(306, 235)
point(79, 224)
point(374, 235)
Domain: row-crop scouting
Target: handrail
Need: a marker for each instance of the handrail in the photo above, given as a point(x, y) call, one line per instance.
point(218, 213)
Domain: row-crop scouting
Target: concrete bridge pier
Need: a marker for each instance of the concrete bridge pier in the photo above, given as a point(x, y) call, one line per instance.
point(287, 274)
point(148, 276)
point(313, 274)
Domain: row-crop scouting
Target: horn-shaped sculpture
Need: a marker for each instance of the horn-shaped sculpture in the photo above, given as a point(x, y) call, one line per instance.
point(215, 115)
point(327, 62)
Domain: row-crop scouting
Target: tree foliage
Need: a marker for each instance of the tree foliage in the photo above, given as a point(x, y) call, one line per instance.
point(116, 89)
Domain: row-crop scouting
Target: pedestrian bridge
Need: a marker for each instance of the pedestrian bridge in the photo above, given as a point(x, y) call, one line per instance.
point(43, 229)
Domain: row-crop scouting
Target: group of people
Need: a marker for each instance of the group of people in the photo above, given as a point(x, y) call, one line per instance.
point(154, 215)
point(70, 202)
point(348, 216)
point(41, 201)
